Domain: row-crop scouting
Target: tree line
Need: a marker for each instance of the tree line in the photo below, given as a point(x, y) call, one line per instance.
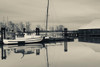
point(18, 27)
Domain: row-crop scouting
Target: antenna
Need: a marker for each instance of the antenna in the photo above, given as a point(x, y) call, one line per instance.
point(47, 17)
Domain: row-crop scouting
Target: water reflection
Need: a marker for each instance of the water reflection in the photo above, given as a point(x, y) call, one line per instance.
point(94, 40)
point(29, 49)
point(55, 54)
point(3, 53)
point(89, 39)
point(65, 46)
point(24, 50)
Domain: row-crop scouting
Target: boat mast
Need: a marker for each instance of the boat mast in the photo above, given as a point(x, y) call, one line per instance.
point(47, 17)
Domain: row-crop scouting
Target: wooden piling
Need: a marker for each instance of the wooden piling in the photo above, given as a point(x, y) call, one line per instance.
point(65, 33)
point(2, 35)
point(37, 31)
point(65, 39)
point(24, 30)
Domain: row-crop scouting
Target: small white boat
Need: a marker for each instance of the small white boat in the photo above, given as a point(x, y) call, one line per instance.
point(26, 39)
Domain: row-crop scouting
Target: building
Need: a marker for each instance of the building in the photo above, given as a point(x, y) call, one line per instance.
point(90, 30)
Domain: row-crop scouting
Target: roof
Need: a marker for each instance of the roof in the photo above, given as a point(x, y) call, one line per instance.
point(93, 25)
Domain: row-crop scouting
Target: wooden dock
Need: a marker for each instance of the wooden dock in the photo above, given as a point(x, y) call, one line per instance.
point(64, 37)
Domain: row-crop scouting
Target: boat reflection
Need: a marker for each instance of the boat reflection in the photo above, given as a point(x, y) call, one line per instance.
point(24, 50)
point(27, 49)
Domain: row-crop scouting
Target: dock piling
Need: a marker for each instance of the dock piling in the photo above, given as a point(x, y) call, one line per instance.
point(3, 35)
point(37, 31)
point(65, 32)
point(24, 30)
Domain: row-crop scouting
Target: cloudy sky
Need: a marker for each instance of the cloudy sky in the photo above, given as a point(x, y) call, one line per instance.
point(70, 13)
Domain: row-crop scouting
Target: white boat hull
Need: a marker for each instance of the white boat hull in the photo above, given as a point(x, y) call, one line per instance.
point(26, 40)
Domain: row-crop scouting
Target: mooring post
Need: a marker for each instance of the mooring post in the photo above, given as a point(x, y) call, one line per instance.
point(37, 31)
point(24, 30)
point(65, 33)
point(65, 39)
point(2, 36)
point(3, 33)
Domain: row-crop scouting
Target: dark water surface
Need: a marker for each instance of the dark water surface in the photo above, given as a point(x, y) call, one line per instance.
point(78, 54)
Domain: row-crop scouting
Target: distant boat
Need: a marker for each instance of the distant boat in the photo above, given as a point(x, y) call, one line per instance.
point(26, 39)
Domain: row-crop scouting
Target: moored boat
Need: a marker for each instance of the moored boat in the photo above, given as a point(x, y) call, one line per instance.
point(26, 39)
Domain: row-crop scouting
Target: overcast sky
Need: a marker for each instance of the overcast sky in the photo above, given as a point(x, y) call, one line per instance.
point(71, 13)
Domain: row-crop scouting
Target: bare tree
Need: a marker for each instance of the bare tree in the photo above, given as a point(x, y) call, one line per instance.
point(21, 26)
point(51, 28)
point(10, 26)
point(28, 26)
point(60, 28)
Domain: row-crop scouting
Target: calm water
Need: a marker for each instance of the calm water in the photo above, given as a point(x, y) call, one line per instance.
point(79, 54)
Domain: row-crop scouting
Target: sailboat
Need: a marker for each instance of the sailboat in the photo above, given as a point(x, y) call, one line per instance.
point(29, 38)
point(46, 37)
